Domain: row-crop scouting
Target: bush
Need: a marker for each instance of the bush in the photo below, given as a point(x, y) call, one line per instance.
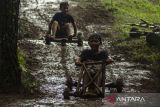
point(29, 82)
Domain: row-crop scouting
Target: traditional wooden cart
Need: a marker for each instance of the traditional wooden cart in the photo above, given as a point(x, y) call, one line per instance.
point(88, 81)
point(63, 41)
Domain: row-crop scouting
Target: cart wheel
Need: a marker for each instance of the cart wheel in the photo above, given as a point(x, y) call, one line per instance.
point(153, 39)
point(134, 33)
point(119, 85)
point(80, 41)
point(69, 83)
point(63, 42)
point(47, 40)
point(66, 94)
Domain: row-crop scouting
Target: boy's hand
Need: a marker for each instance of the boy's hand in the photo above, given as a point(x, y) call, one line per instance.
point(77, 61)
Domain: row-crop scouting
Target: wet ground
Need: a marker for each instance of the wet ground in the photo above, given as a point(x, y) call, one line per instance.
point(55, 61)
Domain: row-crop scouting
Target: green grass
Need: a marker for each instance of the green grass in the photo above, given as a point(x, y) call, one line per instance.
point(131, 11)
point(134, 9)
point(28, 80)
point(139, 51)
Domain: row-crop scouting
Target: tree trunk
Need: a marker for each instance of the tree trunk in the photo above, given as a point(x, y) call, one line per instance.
point(10, 76)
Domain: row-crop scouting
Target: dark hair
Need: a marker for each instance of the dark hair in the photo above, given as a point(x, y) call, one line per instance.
point(95, 36)
point(63, 4)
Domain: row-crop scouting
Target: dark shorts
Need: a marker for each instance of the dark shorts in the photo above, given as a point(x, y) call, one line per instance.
point(61, 33)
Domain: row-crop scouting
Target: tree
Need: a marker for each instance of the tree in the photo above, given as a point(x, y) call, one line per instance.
point(10, 76)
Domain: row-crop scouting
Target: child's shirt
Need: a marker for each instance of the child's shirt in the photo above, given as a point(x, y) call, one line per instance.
point(89, 54)
point(63, 18)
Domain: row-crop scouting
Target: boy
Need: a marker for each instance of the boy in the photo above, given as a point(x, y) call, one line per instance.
point(61, 22)
point(93, 54)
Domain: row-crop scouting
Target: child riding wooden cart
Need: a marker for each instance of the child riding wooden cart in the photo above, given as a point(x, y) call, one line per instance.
point(92, 77)
point(61, 26)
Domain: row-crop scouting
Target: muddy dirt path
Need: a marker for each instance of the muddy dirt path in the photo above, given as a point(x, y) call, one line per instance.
point(49, 63)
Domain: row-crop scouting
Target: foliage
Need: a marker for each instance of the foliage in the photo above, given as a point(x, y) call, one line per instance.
point(131, 11)
point(28, 80)
point(140, 51)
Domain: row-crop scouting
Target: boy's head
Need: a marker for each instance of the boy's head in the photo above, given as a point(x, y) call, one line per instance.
point(64, 7)
point(94, 41)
